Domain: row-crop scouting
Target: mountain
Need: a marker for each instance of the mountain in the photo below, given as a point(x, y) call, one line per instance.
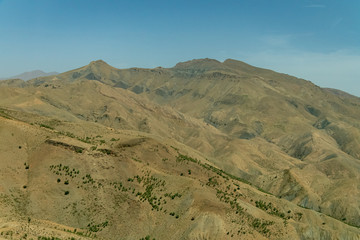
point(30, 75)
point(202, 150)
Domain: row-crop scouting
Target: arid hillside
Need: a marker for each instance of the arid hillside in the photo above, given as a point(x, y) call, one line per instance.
point(203, 150)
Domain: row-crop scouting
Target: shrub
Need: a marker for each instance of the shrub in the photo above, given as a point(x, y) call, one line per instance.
point(78, 150)
point(46, 126)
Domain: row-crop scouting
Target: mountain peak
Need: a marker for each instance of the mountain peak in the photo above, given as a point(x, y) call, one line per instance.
point(244, 67)
point(204, 63)
point(233, 61)
point(100, 65)
point(98, 62)
point(238, 64)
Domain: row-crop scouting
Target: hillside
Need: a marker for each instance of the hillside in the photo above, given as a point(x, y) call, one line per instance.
point(205, 149)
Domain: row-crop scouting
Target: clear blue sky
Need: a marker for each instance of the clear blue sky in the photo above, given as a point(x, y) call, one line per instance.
point(315, 40)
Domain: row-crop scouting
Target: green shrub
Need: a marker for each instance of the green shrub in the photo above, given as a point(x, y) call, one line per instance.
point(46, 126)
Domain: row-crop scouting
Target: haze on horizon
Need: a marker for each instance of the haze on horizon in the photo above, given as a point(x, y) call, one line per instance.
point(314, 40)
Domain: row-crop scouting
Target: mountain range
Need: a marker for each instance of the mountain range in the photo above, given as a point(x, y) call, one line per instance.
point(203, 150)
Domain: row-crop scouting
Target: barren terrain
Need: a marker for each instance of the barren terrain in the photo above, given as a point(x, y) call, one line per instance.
point(203, 150)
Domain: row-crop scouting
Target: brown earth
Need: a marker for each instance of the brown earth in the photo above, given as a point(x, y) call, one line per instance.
point(204, 150)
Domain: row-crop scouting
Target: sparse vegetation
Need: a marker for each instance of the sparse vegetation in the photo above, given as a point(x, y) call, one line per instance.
point(64, 170)
point(184, 158)
point(106, 151)
point(46, 126)
point(72, 135)
point(4, 114)
point(262, 226)
point(268, 207)
point(74, 148)
point(147, 238)
point(212, 182)
point(88, 179)
point(136, 160)
point(48, 238)
point(151, 183)
point(78, 150)
point(172, 196)
point(97, 227)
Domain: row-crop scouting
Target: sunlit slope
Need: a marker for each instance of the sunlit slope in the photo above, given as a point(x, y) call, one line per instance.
point(283, 134)
point(84, 180)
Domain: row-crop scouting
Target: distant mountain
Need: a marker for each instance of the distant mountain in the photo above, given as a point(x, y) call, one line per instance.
point(30, 75)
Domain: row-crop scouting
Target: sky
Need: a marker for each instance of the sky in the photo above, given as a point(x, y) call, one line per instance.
point(316, 40)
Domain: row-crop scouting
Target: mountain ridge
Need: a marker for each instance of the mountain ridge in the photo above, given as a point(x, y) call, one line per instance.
point(288, 138)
